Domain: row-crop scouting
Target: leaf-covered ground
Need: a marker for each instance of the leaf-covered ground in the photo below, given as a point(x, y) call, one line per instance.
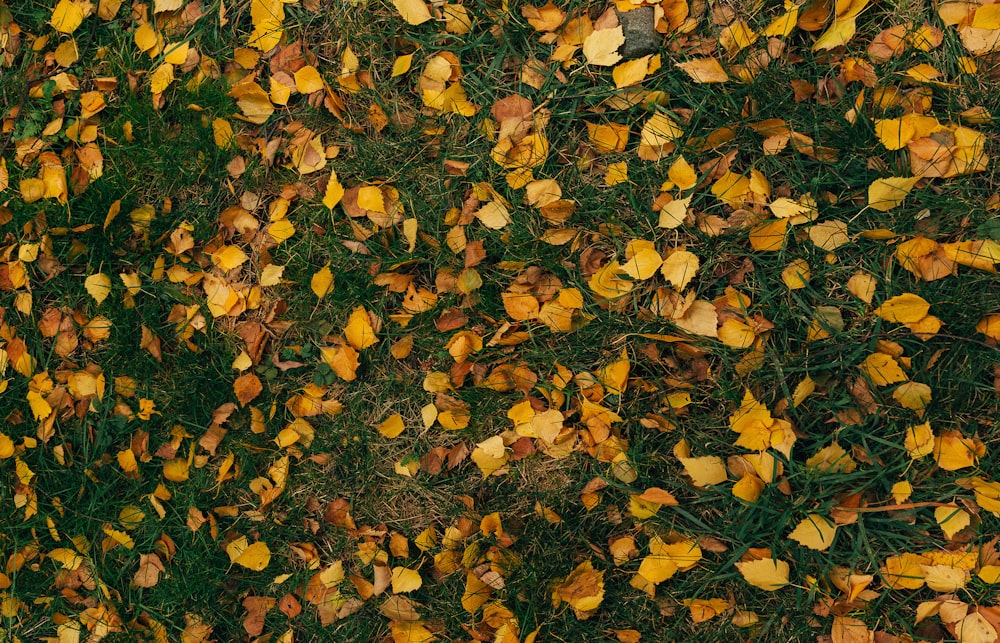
point(372, 320)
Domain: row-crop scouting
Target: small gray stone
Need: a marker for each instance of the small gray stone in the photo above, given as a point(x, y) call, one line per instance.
point(640, 32)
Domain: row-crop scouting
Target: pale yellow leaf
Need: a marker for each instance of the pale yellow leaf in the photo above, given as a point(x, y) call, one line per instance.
point(680, 268)
point(98, 286)
point(885, 194)
point(600, 48)
point(414, 12)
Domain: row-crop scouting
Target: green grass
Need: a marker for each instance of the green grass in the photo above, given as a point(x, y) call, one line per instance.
point(173, 164)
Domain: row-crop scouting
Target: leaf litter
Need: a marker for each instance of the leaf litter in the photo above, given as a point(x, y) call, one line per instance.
point(469, 317)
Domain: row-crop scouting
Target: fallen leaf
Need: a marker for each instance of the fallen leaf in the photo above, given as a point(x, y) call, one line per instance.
point(766, 573)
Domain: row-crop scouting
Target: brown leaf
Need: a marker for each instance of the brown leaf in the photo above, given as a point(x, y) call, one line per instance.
point(150, 568)
point(247, 387)
point(257, 608)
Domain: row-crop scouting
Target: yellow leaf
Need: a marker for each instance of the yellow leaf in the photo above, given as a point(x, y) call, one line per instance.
point(67, 16)
point(600, 48)
point(883, 369)
point(223, 133)
point(803, 390)
point(410, 227)
point(814, 532)
point(901, 491)
point(904, 571)
point(987, 17)
point(796, 274)
point(976, 628)
point(657, 569)
point(704, 70)
point(885, 194)
point(989, 574)
point(839, 33)
point(271, 275)
point(641, 259)
point(405, 580)
point(682, 174)
point(607, 283)
point(402, 65)
point(704, 471)
point(176, 53)
point(176, 470)
point(951, 519)
point(6, 447)
point(608, 137)
point(783, 24)
point(748, 488)
point(98, 286)
point(254, 102)
point(737, 36)
point(990, 326)
point(953, 451)
point(392, 426)
point(359, 332)
point(40, 408)
point(701, 318)
point(630, 72)
point(736, 334)
point(904, 309)
point(255, 556)
point(490, 456)
point(614, 376)
point(229, 257)
point(703, 610)
point(680, 268)
point(674, 213)
point(68, 558)
point(147, 39)
point(658, 136)
point(414, 12)
point(583, 589)
point(308, 80)
point(913, 395)
point(266, 16)
point(766, 573)
point(494, 215)
point(322, 282)
point(476, 593)
point(829, 235)
point(160, 6)
point(919, 440)
point(769, 236)
point(617, 173)
point(334, 191)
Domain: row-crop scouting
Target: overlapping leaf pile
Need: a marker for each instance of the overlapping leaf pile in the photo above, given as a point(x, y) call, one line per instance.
point(461, 306)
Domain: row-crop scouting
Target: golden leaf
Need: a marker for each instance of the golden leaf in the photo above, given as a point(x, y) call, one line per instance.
point(766, 573)
point(704, 70)
point(255, 556)
point(321, 282)
point(815, 532)
point(904, 309)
